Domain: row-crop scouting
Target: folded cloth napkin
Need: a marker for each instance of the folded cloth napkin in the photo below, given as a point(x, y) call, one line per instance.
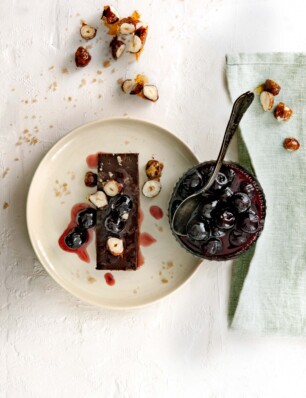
point(268, 289)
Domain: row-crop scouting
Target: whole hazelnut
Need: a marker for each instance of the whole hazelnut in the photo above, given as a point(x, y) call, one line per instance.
point(272, 87)
point(82, 57)
point(154, 169)
point(282, 112)
point(90, 179)
point(291, 144)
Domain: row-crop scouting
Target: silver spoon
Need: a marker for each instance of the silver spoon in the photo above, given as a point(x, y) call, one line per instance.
point(183, 213)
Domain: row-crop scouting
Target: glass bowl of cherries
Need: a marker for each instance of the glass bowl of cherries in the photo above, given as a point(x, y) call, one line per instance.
point(230, 215)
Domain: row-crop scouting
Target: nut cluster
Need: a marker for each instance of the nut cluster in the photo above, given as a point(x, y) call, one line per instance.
point(139, 86)
point(122, 29)
point(152, 187)
point(129, 35)
point(282, 112)
point(269, 90)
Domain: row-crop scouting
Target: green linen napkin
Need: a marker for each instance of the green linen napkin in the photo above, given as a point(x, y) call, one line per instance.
point(268, 289)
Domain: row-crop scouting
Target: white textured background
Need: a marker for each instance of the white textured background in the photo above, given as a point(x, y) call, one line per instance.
point(52, 345)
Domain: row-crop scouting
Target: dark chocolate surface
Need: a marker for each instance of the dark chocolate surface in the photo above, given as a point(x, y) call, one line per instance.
point(124, 169)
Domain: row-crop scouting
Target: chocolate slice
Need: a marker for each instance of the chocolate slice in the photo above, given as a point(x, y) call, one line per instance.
point(119, 219)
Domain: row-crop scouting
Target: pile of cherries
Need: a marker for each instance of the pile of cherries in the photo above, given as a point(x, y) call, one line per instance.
point(119, 206)
point(85, 219)
point(230, 215)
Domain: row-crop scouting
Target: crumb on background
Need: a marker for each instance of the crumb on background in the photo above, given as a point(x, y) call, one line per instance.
point(4, 174)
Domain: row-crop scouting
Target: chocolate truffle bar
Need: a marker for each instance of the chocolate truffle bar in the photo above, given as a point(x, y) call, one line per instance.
point(117, 228)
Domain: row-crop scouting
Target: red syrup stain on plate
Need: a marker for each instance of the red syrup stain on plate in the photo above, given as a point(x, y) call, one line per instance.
point(92, 161)
point(81, 251)
point(140, 217)
point(141, 259)
point(109, 279)
point(156, 212)
point(146, 239)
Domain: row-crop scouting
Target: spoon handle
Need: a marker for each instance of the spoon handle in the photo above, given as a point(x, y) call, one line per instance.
point(239, 108)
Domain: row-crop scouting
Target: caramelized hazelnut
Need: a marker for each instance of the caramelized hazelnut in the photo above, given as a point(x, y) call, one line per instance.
point(142, 33)
point(90, 179)
point(110, 15)
point(154, 169)
point(291, 144)
point(272, 87)
point(282, 112)
point(82, 57)
point(117, 47)
point(137, 89)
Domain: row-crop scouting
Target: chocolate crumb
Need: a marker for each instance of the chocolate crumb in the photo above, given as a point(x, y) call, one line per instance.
point(53, 86)
point(83, 83)
point(5, 172)
point(106, 63)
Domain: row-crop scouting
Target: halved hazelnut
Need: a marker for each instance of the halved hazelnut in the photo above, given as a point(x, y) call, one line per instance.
point(127, 28)
point(98, 199)
point(88, 32)
point(282, 112)
point(154, 169)
point(136, 45)
point(137, 89)
point(266, 100)
point(112, 188)
point(291, 144)
point(82, 57)
point(115, 246)
point(151, 188)
point(272, 87)
point(127, 86)
point(150, 92)
point(118, 47)
point(90, 179)
point(110, 15)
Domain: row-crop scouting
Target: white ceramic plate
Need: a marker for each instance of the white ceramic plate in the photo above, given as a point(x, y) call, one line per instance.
point(167, 266)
